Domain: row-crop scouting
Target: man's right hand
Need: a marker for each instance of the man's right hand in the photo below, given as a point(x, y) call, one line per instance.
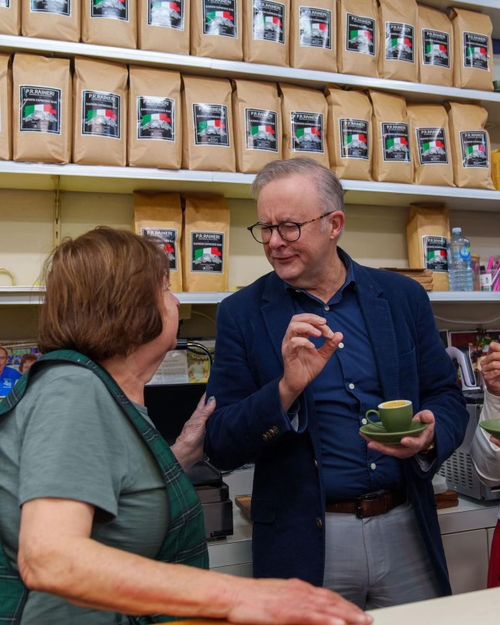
point(302, 360)
point(490, 368)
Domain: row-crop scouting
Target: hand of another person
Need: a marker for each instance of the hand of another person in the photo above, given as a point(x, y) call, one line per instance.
point(490, 368)
point(410, 445)
point(188, 447)
point(302, 360)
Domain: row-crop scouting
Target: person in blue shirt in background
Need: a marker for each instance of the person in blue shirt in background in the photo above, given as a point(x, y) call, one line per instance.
point(8, 375)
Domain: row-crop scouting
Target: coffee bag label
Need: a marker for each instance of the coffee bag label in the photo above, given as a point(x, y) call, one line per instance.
point(211, 125)
point(4, 4)
point(167, 239)
point(360, 34)
point(260, 128)
point(57, 7)
point(399, 42)
point(219, 18)
point(40, 109)
point(435, 253)
point(268, 21)
point(395, 142)
point(166, 14)
point(315, 28)
point(474, 149)
point(101, 114)
point(109, 9)
point(476, 51)
point(435, 48)
point(207, 252)
point(431, 145)
point(155, 118)
point(307, 132)
point(354, 139)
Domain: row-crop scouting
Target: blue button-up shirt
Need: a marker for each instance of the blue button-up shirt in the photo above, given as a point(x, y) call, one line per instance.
point(346, 388)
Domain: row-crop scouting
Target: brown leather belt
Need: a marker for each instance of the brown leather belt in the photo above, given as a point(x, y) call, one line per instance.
point(371, 504)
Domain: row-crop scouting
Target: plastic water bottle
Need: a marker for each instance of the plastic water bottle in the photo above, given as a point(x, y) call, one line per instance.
point(460, 262)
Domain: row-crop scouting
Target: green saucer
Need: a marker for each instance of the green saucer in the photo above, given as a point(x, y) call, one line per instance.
point(379, 433)
point(492, 426)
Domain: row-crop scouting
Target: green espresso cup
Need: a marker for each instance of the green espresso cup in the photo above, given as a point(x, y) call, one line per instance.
point(394, 415)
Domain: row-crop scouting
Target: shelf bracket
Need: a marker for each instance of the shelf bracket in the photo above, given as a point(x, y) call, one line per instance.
point(56, 233)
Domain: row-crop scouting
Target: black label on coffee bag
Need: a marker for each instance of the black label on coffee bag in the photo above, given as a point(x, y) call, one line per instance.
point(40, 109)
point(211, 125)
point(399, 42)
point(4, 4)
point(435, 253)
point(261, 130)
point(155, 118)
point(395, 142)
point(268, 21)
point(354, 139)
point(167, 240)
point(109, 9)
point(360, 34)
point(166, 14)
point(431, 146)
point(207, 252)
point(57, 7)
point(315, 28)
point(307, 132)
point(435, 48)
point(101, 114)
point(475, 152)
point(476, 51)
point(219, 18)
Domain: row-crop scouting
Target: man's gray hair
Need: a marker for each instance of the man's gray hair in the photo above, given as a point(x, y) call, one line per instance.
point(329, 186)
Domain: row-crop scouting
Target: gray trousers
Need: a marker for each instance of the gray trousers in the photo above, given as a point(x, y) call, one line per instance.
point(379, 561)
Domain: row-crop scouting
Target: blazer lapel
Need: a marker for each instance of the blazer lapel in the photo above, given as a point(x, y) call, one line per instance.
point(277, 310)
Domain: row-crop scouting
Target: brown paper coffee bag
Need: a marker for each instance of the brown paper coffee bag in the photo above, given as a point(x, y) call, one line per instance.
point(10, 17)
point(391, 139)
point(207, 120)
point(266, 25)
point(206, 243)
point(471, 146)
point(428, 236)
point(358, 37)
point(100, 100)
point(216, 29)
point(41, 111)
point(51, 19)
point(435, 47)
point(163, 26)
point(304, 115)
point(154, 124)
point(5, 108)
point(110, 23)
point(313, 35)
point(350, 133)
point(257, 124)
point(159, 215)
point(473, 67)
point(398, 58)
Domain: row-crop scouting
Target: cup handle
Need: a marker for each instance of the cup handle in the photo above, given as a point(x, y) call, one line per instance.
point(377, 423)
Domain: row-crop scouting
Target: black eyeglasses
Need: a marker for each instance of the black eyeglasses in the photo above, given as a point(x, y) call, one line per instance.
point(289, 231)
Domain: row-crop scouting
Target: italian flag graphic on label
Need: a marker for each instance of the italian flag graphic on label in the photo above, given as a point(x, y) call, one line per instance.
point(360, 34)
point(431, 146)
point(155, 118)
point(260, 128)
point(40, 109)
point(101, 114)
point(219, 18)
point(166, 14)
point(207, 252)
point(268, 21)
point(475, 151)
point(399, 42)
point(109, 9)
point(315, 28)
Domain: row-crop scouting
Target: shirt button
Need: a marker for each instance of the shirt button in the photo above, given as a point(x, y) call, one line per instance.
point(364, 421)
point(351, 386)
point(373, 466)
point(315, 463)
point(341, 345)
point(319, 523)
point(326, 307)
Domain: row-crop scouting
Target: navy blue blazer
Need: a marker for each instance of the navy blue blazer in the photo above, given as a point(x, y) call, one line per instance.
point(249, 425)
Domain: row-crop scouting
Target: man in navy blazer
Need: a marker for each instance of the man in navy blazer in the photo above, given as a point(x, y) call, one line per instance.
point(301, 354)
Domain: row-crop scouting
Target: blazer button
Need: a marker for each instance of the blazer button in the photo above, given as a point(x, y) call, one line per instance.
point(319, 523)
point(315, 463)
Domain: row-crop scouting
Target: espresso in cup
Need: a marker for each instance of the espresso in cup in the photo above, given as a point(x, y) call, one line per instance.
point(395, 415)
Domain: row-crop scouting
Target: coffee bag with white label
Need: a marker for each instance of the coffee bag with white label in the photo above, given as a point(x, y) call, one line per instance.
point(304, 117)
point(266, 26)
point(5, 108)
point(41, 111)
point(470, 143)
point(164, 26)
point(216, 29)
point(350, 133)
point(473, 67)
point(313, 35)
point(358, 37)
point(159, 215)
point(155, 124)
point(206, 243)
point(207, 124)
point(391, 139)
point(110, 22)
point(398, 58)
point(100, 101)
point(10, 17)
point(430, 144)
point(257, 124)
point(435, 47)
point(51, 19)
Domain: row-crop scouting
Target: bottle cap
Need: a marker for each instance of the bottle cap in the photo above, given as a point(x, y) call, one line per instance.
point(456, 230)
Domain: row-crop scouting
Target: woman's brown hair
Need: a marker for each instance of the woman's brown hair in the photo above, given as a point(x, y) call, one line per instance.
point(102, 293)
